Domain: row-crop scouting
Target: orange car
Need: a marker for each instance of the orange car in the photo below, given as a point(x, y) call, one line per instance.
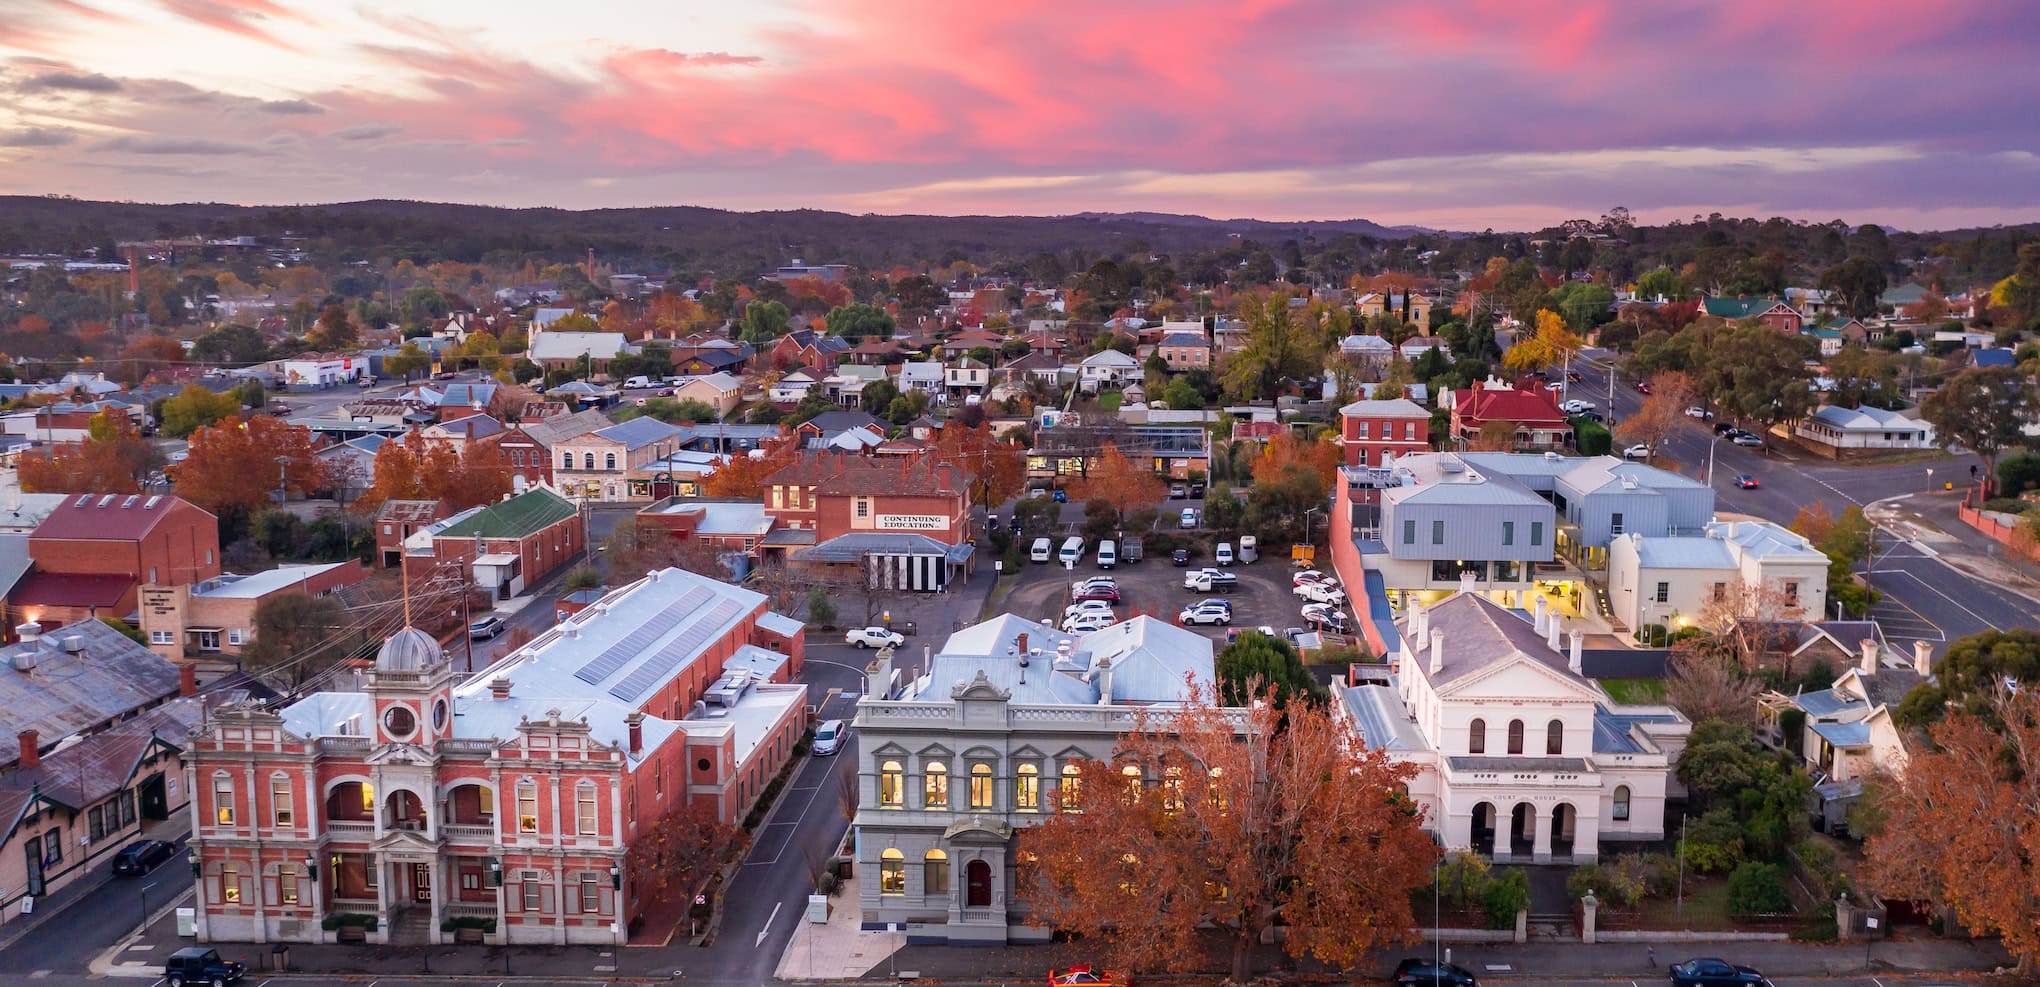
point(1081, 975)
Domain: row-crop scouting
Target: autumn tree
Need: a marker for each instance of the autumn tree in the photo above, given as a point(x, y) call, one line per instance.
point(236, 466)
point(1550, 344)
point(195, 407)
point(1958, 828)
point(1753, 625)
point(1283, 450)
point(675, 854)
point(112, 458)
point(335, 329)
point(1707, 684)
point(145, 355)
point(744, 475)
point(1671, 393)
point(1247, 819)
point(1984, 409)
point(1119, 484)
point(419, 468)
point(298, 636)
point(997, 470)
point(1495, 435)
point(635, 547)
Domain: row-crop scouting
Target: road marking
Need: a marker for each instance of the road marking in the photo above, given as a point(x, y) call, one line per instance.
point(1951, 600)
point(760, 941)
point(838, 664)
point(1876, 981)
point(797, 820)
point(264, 983)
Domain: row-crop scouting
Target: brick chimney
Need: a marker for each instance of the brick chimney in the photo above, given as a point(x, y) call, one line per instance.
point(636, 722)
point(187, 680)
point(1867, 663)
point(31, 749)
point(1923, 659)
point(499, 687)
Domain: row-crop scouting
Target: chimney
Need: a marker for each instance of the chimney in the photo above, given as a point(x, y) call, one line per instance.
point(31, 751)
point(1573, 662)
point(1105, 682)
point(1551, 639)
point(1021, 642)
point(1867, 665)
point(1437, 652)
point(1466, 582)
point(1420, 620)
point(499, 688)
point(1537, 618)
point(636, 722)
point(1923, 659)
point(878, 675)
point(187, 680)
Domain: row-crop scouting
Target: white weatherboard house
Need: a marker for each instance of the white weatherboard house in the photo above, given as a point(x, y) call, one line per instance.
point(1865, 428)
point(1519, 755)
point(1673, 580)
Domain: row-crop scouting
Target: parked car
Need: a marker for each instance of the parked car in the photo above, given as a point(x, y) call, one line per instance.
point(1637, 451)
point(1701, 413)
point(1746, 439)
point(1014, 524)
point(1592, 416)
point(1081, 975)
point(1209, 580)
point(1643, 387)
point(1084, 584)
point(1746, 481)
point(1711, 972)
point(1087, 606)
point(828, 738)
point(1323, 592)
point(1178, 491)
point(279, 409)
point(1425, 973)
point(1325, 616)
point(486, 628)
point(1205, 615)
point(1085, 623)
point(1188, 520)
point(1223, 553)
point(1196, 491)
point(1575, 406)
point(1725, 428)
point(1130, 550)
point(141, 857)
point(873, 637)
point(200, 965)
point(1307, 576)
point(1180, 557)
point(1109, 594)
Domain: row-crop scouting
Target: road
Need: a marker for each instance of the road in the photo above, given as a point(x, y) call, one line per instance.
point(1924, 598)
point(88, 924)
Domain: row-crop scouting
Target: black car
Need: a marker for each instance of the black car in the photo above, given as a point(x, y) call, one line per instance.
point(1724, 428)
point(1425, 973)
point(1014, 524)
point(141, 857)
point(1180, 556)
point(1710, 972)
point(199, 965)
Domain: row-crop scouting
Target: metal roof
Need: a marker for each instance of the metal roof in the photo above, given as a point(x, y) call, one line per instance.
point(521, 516)
point(1681, 552)
point(1855, 734)
point(639, 432)
point(1380, 718)
point(67, 692)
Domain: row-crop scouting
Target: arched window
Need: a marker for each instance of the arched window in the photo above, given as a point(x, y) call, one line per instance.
point(609, 460)
point(1515, 736)
point(527, 806)
point(1621, 802)
point(891, 784)
point(892, 872)
point(980, 786)
point(935, 873)
point(1217, 789)
point(1134, 781)
point(1072, 791)
point(566, 460)
point(1027, 789)
point(1476, 737)
point(584, 808)
point(588, 460)
point(1554, 738)
point(223, 799)
point(1172, 789)
point(935, 789)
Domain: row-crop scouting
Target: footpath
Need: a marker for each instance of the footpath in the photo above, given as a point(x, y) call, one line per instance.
point(1932, 520)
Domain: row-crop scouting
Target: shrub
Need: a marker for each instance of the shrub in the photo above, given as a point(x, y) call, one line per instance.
point(487, 925)
point(1824, 866)
point(583, 577)
point(1758, 889)
point(1462, 877)
point(338, 920)
point(1656, 873)
point(1713, 842)
point(821, 611)
point(1503, 897)
point(1612, 884)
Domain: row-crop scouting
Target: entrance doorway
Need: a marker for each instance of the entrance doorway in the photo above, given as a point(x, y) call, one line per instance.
point(155, 801)
point(1484, 828)
point(977, 885)
point(1563, 819)
point(421, 882)
point(1522, 830)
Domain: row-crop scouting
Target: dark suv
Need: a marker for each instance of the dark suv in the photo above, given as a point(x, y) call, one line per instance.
point(199, 965)
point(1424, 973)
point(141, 857)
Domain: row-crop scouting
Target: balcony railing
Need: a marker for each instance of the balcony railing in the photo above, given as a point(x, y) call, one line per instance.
point(344, 745)
point(470, 909)
point(474, 832)
point(362, 831)
point(467, 746)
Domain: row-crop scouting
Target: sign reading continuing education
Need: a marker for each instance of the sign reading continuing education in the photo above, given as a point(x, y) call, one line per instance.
point(912, 522)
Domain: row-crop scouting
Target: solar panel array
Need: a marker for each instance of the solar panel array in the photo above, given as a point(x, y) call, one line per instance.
point(634, 643)
point(684, 646)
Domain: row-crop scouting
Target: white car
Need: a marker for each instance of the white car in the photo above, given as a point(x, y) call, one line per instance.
point(873, 637)
point(1307, 576)
point(1205, 615)
point(1188, 520)
point(1321, 593)
point(1638, 451)
point(1701, 413)
point(1087, 606)
point(1083, 584)
point(829, 737)
point(1575, 406)
point(1085, 623)
point(1747, 439)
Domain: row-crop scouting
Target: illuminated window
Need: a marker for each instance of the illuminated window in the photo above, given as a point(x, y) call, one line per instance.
point(367, 799)
point(980, 786)
point(1027, 789)
point(230, 883)
point(1172, 789)
point(891, 786)
point(935, 789)
point(935, 873)
point(1072, 791)
point(892, 872)
point(527, 807)
point(1133, 780)
point(223, 800)
point(1217, 783)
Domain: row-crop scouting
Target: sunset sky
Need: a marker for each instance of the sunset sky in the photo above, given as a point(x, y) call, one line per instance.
point(1463, 114)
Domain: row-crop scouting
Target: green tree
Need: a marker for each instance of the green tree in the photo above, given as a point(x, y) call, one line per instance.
point(231, 345)
point(1661, 283)
point(763, 322)
point(582, 577)
point(335, 329)
point(1985, 409)
point(407, 360)
point(1255, 663)
point(1759, 374)
point(1971, 673)
point(1278, 347)
point(821, 610)
point(858, 320)
point(1856, 283)
point(670, 411)
point(1758, 889)
point(1223, 509)
point(194, 408)
point(251, 394)
point(1181, 395)
point(298, 637)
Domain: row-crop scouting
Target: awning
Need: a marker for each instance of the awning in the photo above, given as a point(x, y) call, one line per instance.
point(496, 558)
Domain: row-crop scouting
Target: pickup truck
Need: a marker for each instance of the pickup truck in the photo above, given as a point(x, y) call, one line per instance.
point(1210, 581)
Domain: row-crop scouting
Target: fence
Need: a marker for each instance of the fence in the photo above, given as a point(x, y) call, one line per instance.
point(2016, 538)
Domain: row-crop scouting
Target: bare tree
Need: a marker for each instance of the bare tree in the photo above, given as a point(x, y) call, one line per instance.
point(1706, 684)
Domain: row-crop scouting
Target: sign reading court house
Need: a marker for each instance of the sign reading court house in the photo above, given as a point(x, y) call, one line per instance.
point(912, 522)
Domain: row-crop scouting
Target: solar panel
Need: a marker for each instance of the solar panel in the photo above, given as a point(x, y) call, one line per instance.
point(681, 649)
point(634, 643)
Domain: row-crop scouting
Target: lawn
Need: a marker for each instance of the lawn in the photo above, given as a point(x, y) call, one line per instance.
point(1705, 908)
point(1635, 692)
point(1110, 401)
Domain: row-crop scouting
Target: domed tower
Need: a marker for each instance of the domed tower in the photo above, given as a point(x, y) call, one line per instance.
point(412, 686)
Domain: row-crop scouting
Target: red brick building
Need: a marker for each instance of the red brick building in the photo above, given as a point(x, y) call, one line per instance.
point(95, 552)
point(904, 519)
point(509, 801)
point(508, 547)
point(1372, 432)
point(397, 520)
point(1767, 310)
point(1538, 424)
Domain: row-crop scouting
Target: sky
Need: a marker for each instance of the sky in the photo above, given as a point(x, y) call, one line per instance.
point(1456, 114)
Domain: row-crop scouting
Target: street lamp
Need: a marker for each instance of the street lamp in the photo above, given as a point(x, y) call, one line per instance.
point(312, 868)
point(1306, 522)
point(615, 877)
point(193, 857)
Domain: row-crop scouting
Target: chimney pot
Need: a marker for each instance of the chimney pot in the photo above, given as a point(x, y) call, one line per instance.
point(187, 680)
point(1923, 659)
point(499, 687)
point(31, 749)
point(29, 633)
point(1437, 652)
point(636, 722)
point(1867, 664)
point(1573, 662)
point(1551, 636)
point(1538, 616)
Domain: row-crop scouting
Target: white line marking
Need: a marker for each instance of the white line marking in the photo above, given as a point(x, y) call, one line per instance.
point(760, 941)
point(1876, 981)
point(1937, 592)
point(264, 983)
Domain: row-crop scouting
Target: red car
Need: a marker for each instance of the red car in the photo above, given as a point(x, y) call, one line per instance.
point(1746, 482)
point(1081, 975)
point(1106, 593)
point(1642, 387)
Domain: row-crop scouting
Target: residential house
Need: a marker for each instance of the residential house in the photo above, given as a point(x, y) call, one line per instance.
point(511, 796)
point(878, 352)
point(507, 547)
point(464, 431)
point(925, 376)
point(1368, 353)
point(1848, 733)
point(1534, 417)
point(95, 552)
point(729, 438)
point(1680, 580)
point(528, 445)
point(806, 347)
point(982, 742)
point(964, 342)
point(1767, 310)
point(964, 376)
point(1067, 452)
point(1373, 433)
point(350, 466)
point(712, 360)
point(1037, 365)
point(1840, 433)
point(846, 386)
point(1412, 308)
point(793, 386)
point(717, 390)
point(1469, 682)
point(593, 465)
point(830, 426)
point(565, 350)
point(1185, 351)
point(1416, 346)
point(1107, 369)
point(210, 622)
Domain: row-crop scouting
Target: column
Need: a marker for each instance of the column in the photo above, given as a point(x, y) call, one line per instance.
point(437, 876)
point(1540, 844)
point(1457, 829)
point(382, 894)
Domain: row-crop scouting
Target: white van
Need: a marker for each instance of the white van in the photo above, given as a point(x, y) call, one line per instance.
point(1107, 554)
point(1223, 553)
point(1072, 550)
point(637, 382)
point(1249, 548)
point(1043, 549)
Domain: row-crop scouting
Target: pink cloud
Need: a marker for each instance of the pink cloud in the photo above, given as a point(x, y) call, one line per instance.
point(241, 17)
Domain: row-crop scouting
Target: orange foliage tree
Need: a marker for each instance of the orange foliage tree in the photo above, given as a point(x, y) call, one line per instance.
point(1114, 481)
point(1958, 826)
point(1320, 455)
point(745, 475)
point(112, 458)
point(1239, 820)
point(144, 355)
point(418, 468)
point(234, 466)
point(997, 469)
point(678, 851)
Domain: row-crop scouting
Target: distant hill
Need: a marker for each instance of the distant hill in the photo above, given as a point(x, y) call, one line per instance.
point(729, 243)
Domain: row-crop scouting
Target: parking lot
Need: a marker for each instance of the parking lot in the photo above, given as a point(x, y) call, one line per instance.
point(1154, 587)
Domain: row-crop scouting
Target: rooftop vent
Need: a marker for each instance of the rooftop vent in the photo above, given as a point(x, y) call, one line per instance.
point(1451, 466)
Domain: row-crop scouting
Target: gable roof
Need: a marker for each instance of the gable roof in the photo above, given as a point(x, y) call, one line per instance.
point(830, 422)
point(1480, 635)
point(1741, 308)
point(1867, 419)
point(110, 517)
point(1389, 408)
point(1508, 404)
point(1185, 339)
point(67, 692)
point(559, 428)
point(1993, 357)
point(1110, 358)
point(523, 515)
point(640, 432)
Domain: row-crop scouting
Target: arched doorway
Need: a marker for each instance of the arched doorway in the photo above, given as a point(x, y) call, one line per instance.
point(403, 810)
point(1522, 830)
point(977, 885)
point(1484, 828)
point(1563, 820)
point(350, 801)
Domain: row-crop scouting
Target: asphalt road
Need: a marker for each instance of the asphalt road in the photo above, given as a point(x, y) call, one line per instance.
point(1924, 598)
point(88, 924)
